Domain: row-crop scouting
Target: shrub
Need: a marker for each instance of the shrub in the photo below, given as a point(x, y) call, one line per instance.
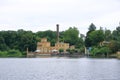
point(100, 51)
point(61, 50)
point(14, 53)
point(3, 53)
point(114, 46)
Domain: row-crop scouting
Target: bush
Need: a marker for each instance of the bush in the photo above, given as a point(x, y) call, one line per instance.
point(100, 51)
point(61, 50)
point(114, 46)
point(14, 53)
point(10, 53)
point(3, 53)
point(24, 54)
point(71, 51)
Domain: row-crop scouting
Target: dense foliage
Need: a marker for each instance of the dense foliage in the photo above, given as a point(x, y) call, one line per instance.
point(11, 53)
point(102, 41)
point(100, 51)
point(21, 40)
point(18, 40)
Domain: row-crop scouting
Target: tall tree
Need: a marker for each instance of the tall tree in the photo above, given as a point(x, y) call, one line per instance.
point(3, 45)
point(92, 27)
point(71, 35)
point(118, 28)
point(108, 35)
point(94, 38)
point(116, 34)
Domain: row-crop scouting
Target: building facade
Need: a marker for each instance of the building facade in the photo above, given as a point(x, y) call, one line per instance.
point(44, 47)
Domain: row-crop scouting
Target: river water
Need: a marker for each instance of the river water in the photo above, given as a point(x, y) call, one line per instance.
point(59, 69)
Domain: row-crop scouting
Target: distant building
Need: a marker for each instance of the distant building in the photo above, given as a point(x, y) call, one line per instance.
point(44, 47)
point(72, 47)
point(104, 43)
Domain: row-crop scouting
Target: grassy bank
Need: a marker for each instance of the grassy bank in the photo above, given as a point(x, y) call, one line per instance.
point(12, 53)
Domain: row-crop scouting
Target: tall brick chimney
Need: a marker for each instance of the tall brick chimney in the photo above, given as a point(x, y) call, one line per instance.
point(57, 26)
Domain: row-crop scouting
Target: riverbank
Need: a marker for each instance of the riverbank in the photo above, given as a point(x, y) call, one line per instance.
point(74, 55)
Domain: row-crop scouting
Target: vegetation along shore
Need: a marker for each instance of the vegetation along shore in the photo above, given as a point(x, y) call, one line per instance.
point(97, 42)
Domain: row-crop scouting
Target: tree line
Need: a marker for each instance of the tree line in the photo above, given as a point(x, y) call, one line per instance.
point(97, 41)
point(17, 42)
point(102, 41)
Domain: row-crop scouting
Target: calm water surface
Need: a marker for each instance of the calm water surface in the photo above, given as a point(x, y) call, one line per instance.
point(59, 69)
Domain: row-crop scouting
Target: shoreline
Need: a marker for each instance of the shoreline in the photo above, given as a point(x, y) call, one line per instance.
point(68, 56)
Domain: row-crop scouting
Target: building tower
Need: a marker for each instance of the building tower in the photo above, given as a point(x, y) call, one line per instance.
point(57, 26)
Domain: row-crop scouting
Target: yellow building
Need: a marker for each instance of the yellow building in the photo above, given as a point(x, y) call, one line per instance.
point(44, 47)
point(61, 45)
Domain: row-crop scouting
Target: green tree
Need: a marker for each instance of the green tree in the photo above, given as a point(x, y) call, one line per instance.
point(100, 51)
point(116, 34)
point(71, 35)
point(14, 53)
point(88, 40)
point(3, 53)
point(118, 28)
point(108, 35)
point(61, 50)
point(79, 43)
point(3, 45)
point(26, 39)
point(95, 37)
point(92, 27)
point(114, 46)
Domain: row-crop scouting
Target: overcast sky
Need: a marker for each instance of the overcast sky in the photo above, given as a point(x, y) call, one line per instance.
point(40, 15)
